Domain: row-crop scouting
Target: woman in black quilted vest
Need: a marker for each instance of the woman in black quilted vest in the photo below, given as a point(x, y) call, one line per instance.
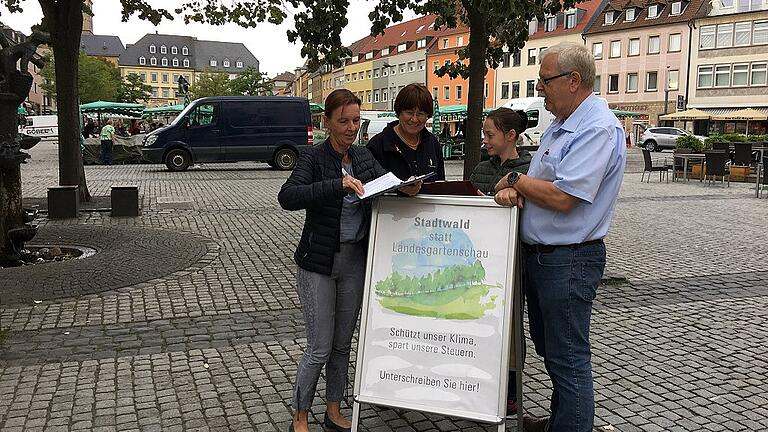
point(331, 255)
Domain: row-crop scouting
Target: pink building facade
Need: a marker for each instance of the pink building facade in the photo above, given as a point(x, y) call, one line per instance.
point(642, 54)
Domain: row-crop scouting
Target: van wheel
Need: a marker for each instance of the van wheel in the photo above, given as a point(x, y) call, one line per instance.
point(177, 160)
point(285, 159)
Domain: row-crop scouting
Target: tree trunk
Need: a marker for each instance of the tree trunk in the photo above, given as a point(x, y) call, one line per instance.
point(65, 21)
point(478, 43)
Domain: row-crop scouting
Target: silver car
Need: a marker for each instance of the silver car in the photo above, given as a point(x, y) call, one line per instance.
point(660, 138)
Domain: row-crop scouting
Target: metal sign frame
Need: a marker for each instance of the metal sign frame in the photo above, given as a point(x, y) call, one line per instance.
point(512, 314)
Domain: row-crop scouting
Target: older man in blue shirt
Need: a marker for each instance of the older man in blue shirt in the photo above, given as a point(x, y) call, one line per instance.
point(567, 201)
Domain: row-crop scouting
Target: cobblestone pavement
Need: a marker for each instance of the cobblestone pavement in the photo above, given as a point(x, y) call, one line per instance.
point(212, 344)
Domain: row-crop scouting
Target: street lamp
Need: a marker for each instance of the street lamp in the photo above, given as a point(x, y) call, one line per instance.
point(391, 97)
point(666, 90)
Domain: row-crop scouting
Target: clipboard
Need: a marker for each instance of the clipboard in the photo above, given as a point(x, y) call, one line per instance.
point(463, 188)
point(356, 198)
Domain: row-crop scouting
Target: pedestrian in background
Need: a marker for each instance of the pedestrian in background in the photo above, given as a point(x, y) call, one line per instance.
point(567, 201)
point(331, 254)
point(107, 137)
point(405, 147)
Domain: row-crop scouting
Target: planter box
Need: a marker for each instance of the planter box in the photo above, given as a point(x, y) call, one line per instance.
point(696, 171)
point(740, 173)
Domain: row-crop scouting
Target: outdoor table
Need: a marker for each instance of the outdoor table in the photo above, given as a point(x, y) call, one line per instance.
point(685, 157)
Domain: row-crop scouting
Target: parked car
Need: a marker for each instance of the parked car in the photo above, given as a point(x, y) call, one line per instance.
point(660, 138)
point(272, 129)
point(369, 127)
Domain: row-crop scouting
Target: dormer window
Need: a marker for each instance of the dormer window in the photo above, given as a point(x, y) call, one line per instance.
point(142, 61)
point(175, 62)
point(163, 49)
point(570, 20)
point(152, 49)
point(174, 50)
point(186, 63)
point(677, 8)
point(355, 58)
point(385, 51)
point(421, 43)
point(184, 51)
point(610, 17)
point(631, 14)
point(369, 55)
point(653, 11)
point(226, 63)
point(153, 61)
point(239, 64)
point(551, 24)
point(212, 62)
point(402, 47)
point(533, 25)
point(164, 61)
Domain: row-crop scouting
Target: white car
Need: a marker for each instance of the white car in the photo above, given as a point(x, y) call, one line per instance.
point(660, 138)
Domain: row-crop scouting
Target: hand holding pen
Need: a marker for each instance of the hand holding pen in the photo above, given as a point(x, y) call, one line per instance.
point(351, 184)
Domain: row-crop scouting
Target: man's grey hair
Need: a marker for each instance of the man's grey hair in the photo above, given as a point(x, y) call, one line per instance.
point(572, 56)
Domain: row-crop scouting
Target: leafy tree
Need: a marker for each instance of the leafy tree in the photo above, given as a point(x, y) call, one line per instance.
point(251, 82)
point(210, 84)
point(99, 79)
point(133, 90)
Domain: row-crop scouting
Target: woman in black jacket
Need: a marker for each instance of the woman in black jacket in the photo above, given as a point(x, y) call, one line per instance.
point(405, 146)
point(331, 255)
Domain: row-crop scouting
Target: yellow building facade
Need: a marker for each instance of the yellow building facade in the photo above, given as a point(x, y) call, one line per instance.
point(164, 82)
point(358, 78)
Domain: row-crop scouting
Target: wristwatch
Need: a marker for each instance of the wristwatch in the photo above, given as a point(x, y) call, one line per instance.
point(512, 178)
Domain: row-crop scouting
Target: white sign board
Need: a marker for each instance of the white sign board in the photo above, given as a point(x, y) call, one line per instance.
point(435, 329)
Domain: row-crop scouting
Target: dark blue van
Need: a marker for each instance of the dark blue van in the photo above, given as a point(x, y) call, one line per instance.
point(272, 129)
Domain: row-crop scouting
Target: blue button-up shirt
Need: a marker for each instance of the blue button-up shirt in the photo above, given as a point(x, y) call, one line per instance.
point(583, 156)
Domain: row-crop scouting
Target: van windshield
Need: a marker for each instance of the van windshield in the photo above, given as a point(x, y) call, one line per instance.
point(198, 115)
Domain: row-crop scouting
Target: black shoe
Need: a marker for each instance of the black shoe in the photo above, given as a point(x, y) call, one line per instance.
point(535, 424)
point(329, 424)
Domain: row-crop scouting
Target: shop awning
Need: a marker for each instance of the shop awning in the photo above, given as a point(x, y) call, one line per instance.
point(715, 112)
point(690, 114)
point(743, 114)
point(163, 110)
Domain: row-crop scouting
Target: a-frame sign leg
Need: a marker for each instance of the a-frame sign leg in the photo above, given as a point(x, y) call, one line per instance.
point(355, 415)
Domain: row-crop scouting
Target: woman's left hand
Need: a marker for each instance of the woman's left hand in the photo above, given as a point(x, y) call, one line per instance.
point(412, 189)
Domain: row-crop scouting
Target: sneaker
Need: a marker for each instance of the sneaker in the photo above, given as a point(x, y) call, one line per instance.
point(511, 408)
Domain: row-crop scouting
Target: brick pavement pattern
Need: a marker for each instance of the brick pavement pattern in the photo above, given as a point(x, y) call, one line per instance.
point(212, 344)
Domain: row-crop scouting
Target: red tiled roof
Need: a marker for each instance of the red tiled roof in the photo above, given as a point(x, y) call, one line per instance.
point(691, 11)
point(412, 30)
point(588, 9)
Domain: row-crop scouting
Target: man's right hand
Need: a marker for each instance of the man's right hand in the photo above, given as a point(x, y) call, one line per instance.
point(509, 197)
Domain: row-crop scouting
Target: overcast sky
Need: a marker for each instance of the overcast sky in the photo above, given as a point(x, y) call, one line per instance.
point(267, 42)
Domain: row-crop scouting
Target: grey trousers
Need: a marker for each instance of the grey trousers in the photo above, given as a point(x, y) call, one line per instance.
point(330, 305)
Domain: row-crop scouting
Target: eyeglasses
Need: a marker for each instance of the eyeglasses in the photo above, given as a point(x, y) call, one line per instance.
point(421, 115)
point(546, 81)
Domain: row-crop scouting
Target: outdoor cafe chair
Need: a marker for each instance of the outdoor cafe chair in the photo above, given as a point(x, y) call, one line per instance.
point(715, 167)
point(742, 153)
point(649, 168)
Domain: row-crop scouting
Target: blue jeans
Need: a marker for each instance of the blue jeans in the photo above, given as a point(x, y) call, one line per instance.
point(330, 305)
point(560, 286)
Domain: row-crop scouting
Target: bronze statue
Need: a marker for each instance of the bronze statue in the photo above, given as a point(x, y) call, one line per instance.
point(15, 228)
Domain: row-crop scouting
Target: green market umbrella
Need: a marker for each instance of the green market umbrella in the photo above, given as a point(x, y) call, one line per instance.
point(120, 108)
point(163, 110)
point(316, 108)
point(21, 111)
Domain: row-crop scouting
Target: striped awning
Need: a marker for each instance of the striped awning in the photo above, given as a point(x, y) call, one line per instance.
point(720, 111)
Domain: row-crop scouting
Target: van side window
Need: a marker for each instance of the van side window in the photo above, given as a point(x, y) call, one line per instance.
point(203, 115)
point(260, 114)
point(533, 118)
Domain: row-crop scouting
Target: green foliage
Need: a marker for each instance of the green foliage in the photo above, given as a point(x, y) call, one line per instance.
point(465, 303)
point(441, 280)
point(734, 137)
point(210, 84)
point(691, 142)
point(133, 90)
point(97, 79)
point(251, 82)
